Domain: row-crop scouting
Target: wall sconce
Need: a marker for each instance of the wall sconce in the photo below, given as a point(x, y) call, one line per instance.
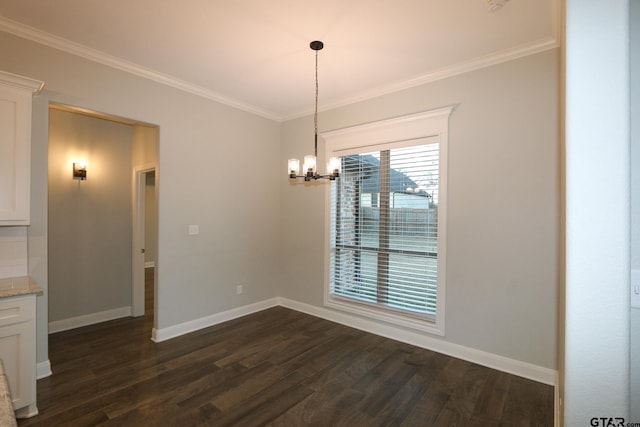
point(80, 171)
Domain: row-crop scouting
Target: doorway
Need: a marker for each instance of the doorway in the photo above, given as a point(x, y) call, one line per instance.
point(91, 236)
point(144, 248)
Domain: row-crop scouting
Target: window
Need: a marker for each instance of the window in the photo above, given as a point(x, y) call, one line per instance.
point(386, 221)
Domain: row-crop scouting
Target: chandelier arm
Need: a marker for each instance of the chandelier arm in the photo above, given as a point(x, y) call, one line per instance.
point(330, 177)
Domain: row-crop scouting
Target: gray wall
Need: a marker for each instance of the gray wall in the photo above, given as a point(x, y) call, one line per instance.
point(145, 156)
point(37, 232)
point(239, 225)
point(89, 221)
point(151, 219)
point(145, 145)
point(503, 214)
point(503, 204)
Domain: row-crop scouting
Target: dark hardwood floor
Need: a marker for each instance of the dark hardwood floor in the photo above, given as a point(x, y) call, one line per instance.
point(277, 367)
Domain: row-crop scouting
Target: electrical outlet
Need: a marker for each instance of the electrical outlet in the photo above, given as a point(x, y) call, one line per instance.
point(193, 230)
point(239, 289)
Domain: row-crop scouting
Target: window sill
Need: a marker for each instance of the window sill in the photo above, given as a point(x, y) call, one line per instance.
point(388, 316)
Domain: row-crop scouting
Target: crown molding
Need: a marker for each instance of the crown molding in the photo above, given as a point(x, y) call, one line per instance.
point(39, 36)
point(21, 82)
point(42, 37)
point(443, 73)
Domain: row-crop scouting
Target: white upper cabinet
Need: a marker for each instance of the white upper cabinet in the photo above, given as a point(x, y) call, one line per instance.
point(15, 147)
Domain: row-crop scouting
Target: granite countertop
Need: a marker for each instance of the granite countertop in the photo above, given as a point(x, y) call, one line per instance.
point(7, 416)
point(14, 286)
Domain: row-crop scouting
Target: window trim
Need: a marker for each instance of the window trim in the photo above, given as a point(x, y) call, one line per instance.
point(380, 135)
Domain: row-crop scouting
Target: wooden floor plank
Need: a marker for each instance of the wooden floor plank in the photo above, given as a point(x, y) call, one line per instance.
point(277, 367)
point(326, 406)
point(394, 411)
point(426, 408)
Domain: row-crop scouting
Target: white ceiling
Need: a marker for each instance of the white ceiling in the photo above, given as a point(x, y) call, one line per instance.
point(255, 55)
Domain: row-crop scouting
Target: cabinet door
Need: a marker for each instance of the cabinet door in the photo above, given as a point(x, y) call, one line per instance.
point(16, 352)
point(15, 155)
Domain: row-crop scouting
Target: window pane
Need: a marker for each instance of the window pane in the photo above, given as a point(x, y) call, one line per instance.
point(412, 282)
point(356, 275)
point(384, 228)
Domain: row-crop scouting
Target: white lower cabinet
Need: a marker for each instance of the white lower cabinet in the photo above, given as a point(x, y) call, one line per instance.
point(17, 351)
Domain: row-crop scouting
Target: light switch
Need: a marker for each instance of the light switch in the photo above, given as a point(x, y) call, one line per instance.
point(193, 230)
point(635, 288)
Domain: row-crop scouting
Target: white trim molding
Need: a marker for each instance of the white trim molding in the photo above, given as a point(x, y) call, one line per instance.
point(43, 369)
point(88, 319)
point(21, 82)
point(405, 131)
point(486, 61)
point(494, 361)
point(47, 39)
point(159, 335)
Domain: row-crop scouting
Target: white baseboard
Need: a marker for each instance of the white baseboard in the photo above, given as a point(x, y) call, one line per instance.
point(164, 334)
point(88, 319)
point(43, 369)
point(27, 411)
point(149, 264)
point(505, 364)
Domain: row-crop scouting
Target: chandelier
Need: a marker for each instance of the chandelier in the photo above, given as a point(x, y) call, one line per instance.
point(309, 165)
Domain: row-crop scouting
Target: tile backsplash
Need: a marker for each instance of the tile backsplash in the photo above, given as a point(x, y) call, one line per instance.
point(13, 252)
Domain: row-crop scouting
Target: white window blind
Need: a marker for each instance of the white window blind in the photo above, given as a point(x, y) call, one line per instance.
point(386, 223)
point(384, 229)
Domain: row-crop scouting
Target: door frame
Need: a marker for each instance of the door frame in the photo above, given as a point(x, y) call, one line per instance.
point(138, 237)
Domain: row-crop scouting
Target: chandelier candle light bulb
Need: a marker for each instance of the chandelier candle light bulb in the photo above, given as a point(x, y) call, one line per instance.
point(309, 165)
point(334, 165)
point(294, 168)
